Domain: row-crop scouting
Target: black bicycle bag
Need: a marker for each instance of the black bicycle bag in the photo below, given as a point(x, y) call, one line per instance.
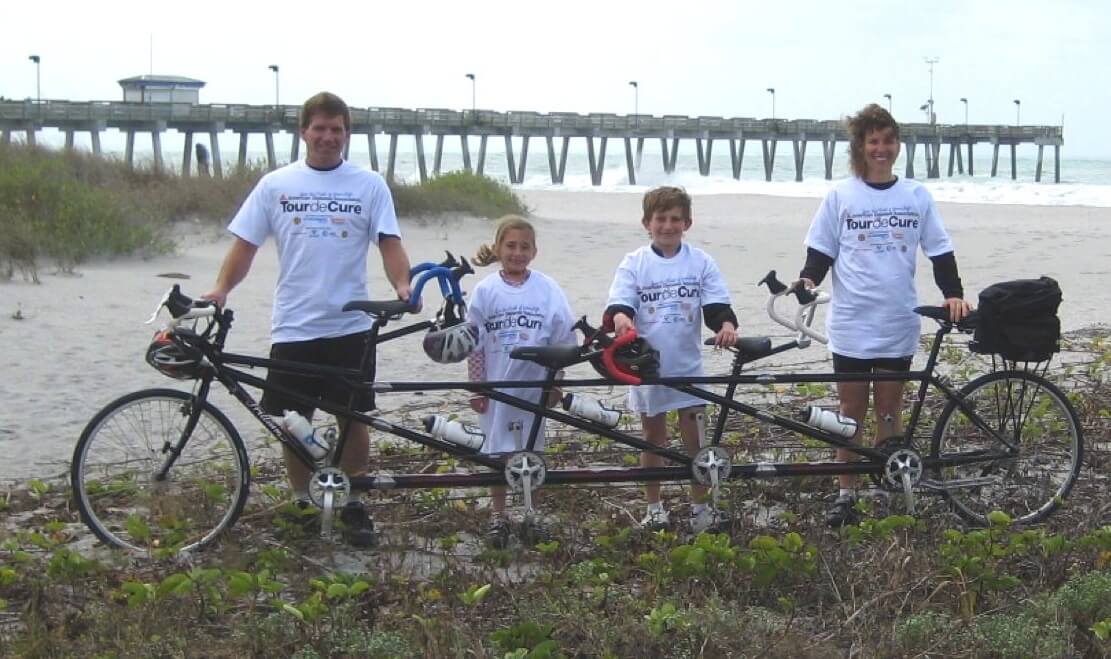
point(1018, 320)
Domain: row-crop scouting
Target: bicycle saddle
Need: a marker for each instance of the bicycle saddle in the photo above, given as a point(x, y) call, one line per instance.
point(549, 356)
point(383, 309)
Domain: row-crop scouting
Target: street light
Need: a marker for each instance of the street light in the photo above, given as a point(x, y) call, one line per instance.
point(1018, 112)
point(470, 76)
point(274, 68)
point(888, 97)
point(38, 78)
point(925, 107)
point(636, 101)
point(965, 101)
point(771, 90)
point(931, 61)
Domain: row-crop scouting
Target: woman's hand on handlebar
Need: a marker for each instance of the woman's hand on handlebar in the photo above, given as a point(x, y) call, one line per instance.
point(480, 404)
point(803, 282)
point(957, 308)
point(726, 337)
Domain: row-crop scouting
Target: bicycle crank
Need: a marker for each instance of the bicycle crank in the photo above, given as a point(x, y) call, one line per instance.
point(329, 489)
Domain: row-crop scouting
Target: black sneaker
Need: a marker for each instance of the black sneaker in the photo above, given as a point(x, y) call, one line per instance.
point(358, 529)
point(497, 535)
point(843, 512)
point(533, 532)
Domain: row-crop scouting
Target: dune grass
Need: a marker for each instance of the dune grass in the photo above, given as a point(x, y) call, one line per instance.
point(68, 206)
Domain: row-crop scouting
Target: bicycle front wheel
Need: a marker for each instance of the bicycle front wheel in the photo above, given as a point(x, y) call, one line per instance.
point(134, 493)
point(1027, 482)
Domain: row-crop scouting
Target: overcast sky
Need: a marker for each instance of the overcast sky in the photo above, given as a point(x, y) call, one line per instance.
point(825, 59)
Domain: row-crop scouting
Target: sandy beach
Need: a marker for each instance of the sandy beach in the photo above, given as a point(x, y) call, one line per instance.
point(74, 342)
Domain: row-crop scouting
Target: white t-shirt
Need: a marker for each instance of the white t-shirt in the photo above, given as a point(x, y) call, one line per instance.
point(668, 295)
point(324, 223)
point(873, 236)
point(533, 314)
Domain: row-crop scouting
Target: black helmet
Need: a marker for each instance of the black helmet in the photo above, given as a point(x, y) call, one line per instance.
point(173, 358)
point(637, 359)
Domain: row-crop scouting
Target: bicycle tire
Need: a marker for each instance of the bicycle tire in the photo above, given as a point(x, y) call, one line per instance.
point(123, 446)
point(1029, 486)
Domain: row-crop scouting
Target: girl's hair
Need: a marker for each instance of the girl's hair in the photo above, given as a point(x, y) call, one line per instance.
point(488, 254)
point(871, 117)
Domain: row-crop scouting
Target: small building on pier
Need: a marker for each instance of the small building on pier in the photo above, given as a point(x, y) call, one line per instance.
point(161, 89)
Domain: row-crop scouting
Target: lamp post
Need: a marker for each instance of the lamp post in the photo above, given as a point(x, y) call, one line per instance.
point(771, 90)
point(470, 76)
point(1018, 112)
point(636, 101)
point(274, 68)
point(965, 101)
point(931, 61)
point(888, 97)
point(38, 78)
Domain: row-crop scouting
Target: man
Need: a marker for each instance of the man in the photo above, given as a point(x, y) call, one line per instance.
point(324, 213)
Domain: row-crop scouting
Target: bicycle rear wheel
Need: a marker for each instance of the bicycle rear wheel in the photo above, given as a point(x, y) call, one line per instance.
point(117, 464)
point(1034, 415)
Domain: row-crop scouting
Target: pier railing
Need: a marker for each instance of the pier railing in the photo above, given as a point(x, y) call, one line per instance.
point(597, 128)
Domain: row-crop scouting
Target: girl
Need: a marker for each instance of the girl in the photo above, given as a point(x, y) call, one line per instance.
point(513, 307)
point(868, 229)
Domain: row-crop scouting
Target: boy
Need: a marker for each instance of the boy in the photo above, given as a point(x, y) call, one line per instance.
point(664, 290)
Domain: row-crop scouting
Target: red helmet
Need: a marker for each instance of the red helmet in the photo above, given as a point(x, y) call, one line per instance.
point(172, 358)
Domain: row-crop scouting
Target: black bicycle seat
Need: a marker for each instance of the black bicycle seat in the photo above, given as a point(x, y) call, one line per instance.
point(971, 321)
point(749, 347)
point(383, 309)
point(549, 356)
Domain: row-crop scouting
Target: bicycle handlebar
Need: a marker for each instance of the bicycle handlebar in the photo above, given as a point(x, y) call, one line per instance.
point(183, 308)
point(804, 316)
point(611, 364)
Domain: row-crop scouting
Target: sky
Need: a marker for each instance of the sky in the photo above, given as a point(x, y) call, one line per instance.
point(701, 57)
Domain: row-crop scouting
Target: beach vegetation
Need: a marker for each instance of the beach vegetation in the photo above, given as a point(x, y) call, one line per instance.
point(774, 583)
point(64, 207)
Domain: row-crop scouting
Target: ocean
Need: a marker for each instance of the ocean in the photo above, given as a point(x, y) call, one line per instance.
point(1084, 181)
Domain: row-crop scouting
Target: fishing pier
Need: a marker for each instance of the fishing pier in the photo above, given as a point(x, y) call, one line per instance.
point(516, 130)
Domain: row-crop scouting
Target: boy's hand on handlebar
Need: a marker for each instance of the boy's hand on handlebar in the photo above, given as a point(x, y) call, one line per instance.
point(957, 308)
point(726, 336)
point(622, 323)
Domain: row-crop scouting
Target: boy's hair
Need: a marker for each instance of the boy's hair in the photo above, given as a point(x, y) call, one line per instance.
point(327, 104)
point(488, 254)
point(665, 197)
point(871, 117)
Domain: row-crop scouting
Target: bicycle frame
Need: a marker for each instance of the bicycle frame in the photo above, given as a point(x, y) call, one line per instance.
point(363, 379)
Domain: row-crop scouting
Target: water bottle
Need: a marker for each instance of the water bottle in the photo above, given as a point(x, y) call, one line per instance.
point(453, 431)
point(589, 408)
point(833, 422)
point(301, 430)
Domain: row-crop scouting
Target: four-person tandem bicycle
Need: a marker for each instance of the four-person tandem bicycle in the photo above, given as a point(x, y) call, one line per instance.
point(165, 468)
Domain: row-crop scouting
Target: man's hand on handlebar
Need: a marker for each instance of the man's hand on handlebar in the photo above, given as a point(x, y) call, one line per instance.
point(220, 297)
